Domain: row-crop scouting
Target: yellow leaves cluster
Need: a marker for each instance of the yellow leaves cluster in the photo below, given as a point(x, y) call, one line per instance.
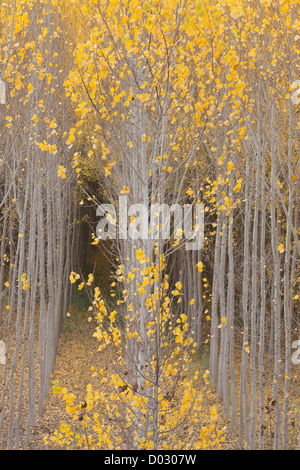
point(108, 168)
point(71, 137)
point(95, 429)
point(61, 172)
point(82, 109)
point(45, 147)
point(119, 395)
point(125, 190)
point(223, 322)
point(199, 266)
point(140, 255)
point(238, 186)
point(25, 283)
point(74, 277)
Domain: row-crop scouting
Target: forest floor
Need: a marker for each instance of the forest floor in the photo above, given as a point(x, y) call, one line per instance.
point(77, 358)
point(78, 354)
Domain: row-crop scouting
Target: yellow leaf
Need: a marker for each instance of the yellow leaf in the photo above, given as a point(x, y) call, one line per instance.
point(61, 172)
point(281, 248)
point(213, 413)
point(200, 266)
point(125, 190)
point(53, 125)
point(139, 254)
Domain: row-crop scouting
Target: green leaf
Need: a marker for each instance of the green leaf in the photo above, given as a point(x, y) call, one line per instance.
point(56, 388)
